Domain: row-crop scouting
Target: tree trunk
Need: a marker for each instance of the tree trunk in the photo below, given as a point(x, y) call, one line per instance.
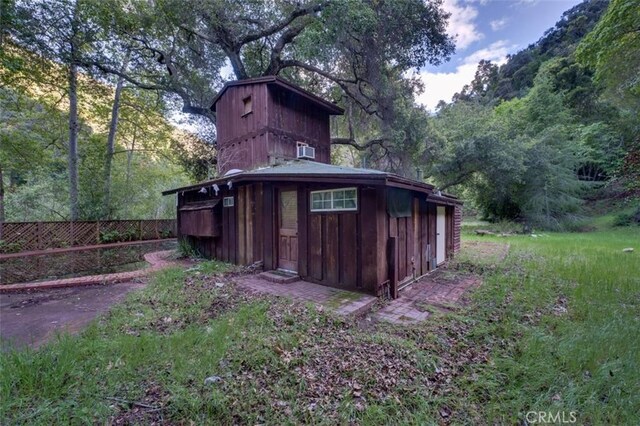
point(130, 157)
point(73, 140)
point(111, 143)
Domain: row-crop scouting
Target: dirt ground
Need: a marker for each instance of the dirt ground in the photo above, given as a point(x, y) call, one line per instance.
point(33, 318)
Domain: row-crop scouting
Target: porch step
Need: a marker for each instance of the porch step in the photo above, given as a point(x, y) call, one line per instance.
point(279, 277)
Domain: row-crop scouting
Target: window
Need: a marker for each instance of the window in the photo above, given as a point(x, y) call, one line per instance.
point(248, 107)
point(334, 200)
point(227, 202)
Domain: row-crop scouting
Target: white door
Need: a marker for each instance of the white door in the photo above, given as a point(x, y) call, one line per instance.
point(440, 234)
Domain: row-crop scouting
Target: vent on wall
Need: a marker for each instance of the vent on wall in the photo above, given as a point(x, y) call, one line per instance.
point(306, 151)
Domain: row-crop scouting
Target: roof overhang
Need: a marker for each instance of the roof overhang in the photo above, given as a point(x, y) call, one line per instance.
point(273, 80)
point(355, 179)
point(446, 199)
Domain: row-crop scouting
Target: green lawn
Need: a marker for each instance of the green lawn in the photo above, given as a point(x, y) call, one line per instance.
point(554, 328)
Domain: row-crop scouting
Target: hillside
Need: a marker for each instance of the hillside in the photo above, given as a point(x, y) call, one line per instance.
point(150, 154)
point(517, 75)
point(534, 139)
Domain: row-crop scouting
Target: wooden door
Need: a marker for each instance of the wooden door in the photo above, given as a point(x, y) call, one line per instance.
point(440, 235)
point(288, 231)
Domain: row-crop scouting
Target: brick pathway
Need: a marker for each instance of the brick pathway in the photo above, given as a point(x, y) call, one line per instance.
point(434, 291)
point(341, 301)
point(157, 260)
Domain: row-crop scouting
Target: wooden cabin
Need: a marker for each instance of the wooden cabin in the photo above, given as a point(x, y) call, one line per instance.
point(280, 201)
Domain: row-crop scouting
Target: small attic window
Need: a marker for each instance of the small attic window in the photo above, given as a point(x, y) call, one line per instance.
point(248, 106)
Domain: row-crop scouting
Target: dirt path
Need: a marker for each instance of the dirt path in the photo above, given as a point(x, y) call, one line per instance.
point(30, 319)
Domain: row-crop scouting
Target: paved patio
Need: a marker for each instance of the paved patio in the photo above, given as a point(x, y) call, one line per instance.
point(341, 302)
point(435, 291)
point(438, 291)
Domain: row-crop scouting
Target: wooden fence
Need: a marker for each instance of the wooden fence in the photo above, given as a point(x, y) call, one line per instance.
point(29, 236)
point(77, 261)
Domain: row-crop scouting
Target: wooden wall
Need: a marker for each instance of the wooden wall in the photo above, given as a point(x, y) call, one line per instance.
point(231, 123)
point(339, 249)
point(366, 250)
point(240, 240)
point(293, 118)
point(352, 250)
point(278, 120)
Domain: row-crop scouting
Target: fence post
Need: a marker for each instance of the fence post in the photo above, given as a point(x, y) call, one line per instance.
point(97, 232)
point(156, 228)
point(140, 230)
point(39, 231)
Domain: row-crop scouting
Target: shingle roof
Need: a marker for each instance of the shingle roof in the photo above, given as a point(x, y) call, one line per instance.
point(305, 167)
point(313, 172)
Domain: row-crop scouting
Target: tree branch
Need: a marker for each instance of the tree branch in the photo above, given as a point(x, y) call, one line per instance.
point(360, 147)
point(303, 11)
point(458, 180)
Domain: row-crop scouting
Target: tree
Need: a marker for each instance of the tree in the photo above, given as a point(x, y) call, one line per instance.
point(59, 30)
point(111, 141)
point(611, 49)
point(483, 85)
point(181, 47)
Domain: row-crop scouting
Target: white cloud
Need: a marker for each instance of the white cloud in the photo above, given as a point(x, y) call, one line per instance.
point(498, 24)
point(482, 2)
point(495, 52)
point(443, 85)
point(462, 23)
point(524, 3)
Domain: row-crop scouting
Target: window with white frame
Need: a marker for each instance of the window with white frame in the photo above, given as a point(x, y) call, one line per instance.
point(227, 202)
point(342, 199)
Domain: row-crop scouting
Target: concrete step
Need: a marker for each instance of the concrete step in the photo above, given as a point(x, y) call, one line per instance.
point(279, 277)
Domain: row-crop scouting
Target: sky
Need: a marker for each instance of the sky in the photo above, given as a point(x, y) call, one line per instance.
point(486, 29)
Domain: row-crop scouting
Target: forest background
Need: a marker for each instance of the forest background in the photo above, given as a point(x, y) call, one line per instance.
point(95, 97)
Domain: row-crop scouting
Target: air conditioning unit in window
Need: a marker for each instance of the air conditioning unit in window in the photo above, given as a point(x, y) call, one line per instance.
point(306, 151)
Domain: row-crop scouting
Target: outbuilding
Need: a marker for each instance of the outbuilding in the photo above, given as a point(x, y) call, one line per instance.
point(281, 203)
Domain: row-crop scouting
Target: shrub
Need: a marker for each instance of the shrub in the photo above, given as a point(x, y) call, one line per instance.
point(187, 250)
point(6, 247)
point(627, 218)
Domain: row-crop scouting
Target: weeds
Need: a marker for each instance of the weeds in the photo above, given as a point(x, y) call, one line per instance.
point(186, 250)
point(553, 328)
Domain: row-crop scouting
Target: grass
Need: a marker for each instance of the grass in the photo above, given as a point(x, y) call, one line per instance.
point(554, 327)
point(572, 303)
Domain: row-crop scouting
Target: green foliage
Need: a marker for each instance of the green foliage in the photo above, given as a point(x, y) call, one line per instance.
point(33, 146)
point(186, 250)
point(517, 75)
point(6, 247)
point(611, 49)
point(627, 218)
point(118, 237)
point(536, 156)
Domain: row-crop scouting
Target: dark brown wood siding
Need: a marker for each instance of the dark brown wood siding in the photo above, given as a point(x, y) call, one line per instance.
point(365, 250)
point(251, 221)
point(277, 121)
point(334, 249)
point(291, 119)
point(231, 121)
point(412, 240)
